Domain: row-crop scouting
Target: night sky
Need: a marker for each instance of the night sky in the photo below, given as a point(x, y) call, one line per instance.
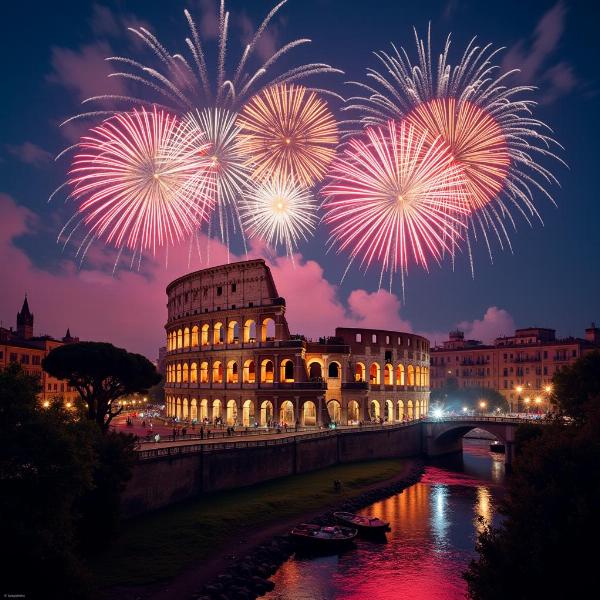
point(52, 58)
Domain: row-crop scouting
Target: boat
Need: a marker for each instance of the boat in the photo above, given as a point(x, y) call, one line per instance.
point(497, 446)
point(365, 524)
point(329, 538)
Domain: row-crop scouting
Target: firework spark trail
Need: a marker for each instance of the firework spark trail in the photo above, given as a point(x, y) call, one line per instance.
point(394, 196)
point(288, 132)
point(280, 211)
point(133, 187)
point(406, 89)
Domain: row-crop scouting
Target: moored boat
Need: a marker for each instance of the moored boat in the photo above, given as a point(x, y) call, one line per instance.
point(326, 538)
point(365, 524)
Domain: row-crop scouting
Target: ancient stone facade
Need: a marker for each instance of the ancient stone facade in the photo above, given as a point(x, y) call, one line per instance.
point(230, 357)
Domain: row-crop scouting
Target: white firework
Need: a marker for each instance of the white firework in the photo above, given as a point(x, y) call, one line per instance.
point(279, 211)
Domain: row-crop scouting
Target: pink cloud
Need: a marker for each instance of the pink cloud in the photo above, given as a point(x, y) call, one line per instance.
point(30, 153)
point(85, 71)
point(496, 322)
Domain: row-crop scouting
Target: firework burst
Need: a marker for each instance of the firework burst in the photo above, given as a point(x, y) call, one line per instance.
point(279, 211)
point(487, 122)
point(134, 187)
point(289, 132)
point(395, 196)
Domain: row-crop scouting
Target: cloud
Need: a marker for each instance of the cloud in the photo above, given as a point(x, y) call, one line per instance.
point(496, 322)
point(128, 309)
point(30, 153)
point(268, 42)
point(534, 57)
point(85, 71)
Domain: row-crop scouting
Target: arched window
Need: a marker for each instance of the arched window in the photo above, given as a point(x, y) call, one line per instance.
point(233, 332)
point(249, 332)
point(388, 417)
point(374, 410)
point(388, 375)
point(194, 409)
point(194, 373)
point(232, 372)
point(184, 412)
point(418, 376)
point(400, 375)
point(411, 376)
point(204, 335)
point(400, 410)
point(185, 374)
point(266, 371)
point(248, 413)
point(217, 376)
point(266, 412)
point(286, 413)
point(179, 338)
point(335, 411)
point(203, 409)
point(333, 370)
point(204, 372)
point(178, 372)
point(195, 335)
point(374, 374)
point(360, 372)
point(217, 409)
point(268, 330)
point(287, 370)
point(186, 337)
point(249, 374)
point(315, 371)
point(218, 333)
point(409, 410)
point(353, 412)
point(231, 415)
point(309, 414)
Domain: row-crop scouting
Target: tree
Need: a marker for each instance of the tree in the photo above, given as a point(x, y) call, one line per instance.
point(576, 388)
point(452, 397)
point(551, 517)
point(101, 373)
point(46, 466)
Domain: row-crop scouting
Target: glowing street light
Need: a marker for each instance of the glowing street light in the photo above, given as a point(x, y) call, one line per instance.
point(465, 409)
point(519, 390)
point(46, 404)
point(527, 401)
point(548, 389)
point(438, 413)
point(482, 405)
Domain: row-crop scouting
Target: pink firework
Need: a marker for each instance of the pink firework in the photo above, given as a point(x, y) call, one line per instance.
point(393, 196)
point(137, 188)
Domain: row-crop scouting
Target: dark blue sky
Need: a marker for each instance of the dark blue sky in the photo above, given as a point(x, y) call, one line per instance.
point(551, 278)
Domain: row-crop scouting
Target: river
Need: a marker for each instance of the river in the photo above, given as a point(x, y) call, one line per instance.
point(434, 528)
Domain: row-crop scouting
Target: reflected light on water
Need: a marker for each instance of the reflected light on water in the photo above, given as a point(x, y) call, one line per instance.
point(434, 527)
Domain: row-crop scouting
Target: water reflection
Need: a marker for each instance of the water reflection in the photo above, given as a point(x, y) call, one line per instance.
point(434, 527)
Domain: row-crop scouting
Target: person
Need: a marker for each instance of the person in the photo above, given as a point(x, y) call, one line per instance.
point(174, 433)
point(157, 438)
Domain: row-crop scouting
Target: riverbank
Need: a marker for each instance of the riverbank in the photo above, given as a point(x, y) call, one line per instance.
point(175, 552)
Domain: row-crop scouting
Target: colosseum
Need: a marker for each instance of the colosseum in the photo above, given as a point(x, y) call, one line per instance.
point(231, 359)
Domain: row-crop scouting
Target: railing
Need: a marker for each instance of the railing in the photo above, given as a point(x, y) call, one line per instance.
point(485, 418)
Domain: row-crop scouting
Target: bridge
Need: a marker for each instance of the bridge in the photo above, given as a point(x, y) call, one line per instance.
point(444, 435)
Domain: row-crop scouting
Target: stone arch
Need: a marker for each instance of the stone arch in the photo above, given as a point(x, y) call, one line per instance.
point(217, 409)
point(400, 374)
point(353, 412)
point(374, 410)
point(410, 411)
point(400, 410)
point(249, 331)
point(360, 372)
point(375, 374)
point(233, 375)
point(179, 338)
point(184, 408)
point(286, 371)
point(204, 371)
point(334, 370)
point(267, 330)
point(231, 413)
point(233, 332)
point(218, 333)
point(388, 374)
point(334, 408)
point(194, 409)
point(286, 413)
point(249, 371)
point(178, 408)
point(185, 373)
point(217, 372)
point(186, 337)
point(309, 414)
point(266, 412)
point(204, 335)
point(248, 413)
point(410, 373)
point(203, 409)
point(315, 370)
point(194, 372)
point(267, 371)
point(178, 372)
point(194, 340)
point(418, 376)
point(389, 411)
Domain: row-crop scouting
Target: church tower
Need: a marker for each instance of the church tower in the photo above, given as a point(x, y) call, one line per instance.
point(25, 321)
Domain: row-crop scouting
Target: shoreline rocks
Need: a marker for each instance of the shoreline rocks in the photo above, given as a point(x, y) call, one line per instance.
point(248, 577)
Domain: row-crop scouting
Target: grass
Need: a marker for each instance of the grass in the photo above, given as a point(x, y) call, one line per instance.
point(160, 545)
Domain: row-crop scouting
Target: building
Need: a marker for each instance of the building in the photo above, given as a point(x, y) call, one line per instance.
point(230, 356)
point(22, 347)
point(520, 366)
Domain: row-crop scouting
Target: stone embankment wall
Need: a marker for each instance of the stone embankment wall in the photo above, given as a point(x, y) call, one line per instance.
point(167, 475)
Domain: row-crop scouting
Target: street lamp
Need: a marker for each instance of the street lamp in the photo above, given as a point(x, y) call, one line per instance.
point(465, 409)
point(527, 401)
point(482, 405)
point(519, 389)
point(538, 401)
